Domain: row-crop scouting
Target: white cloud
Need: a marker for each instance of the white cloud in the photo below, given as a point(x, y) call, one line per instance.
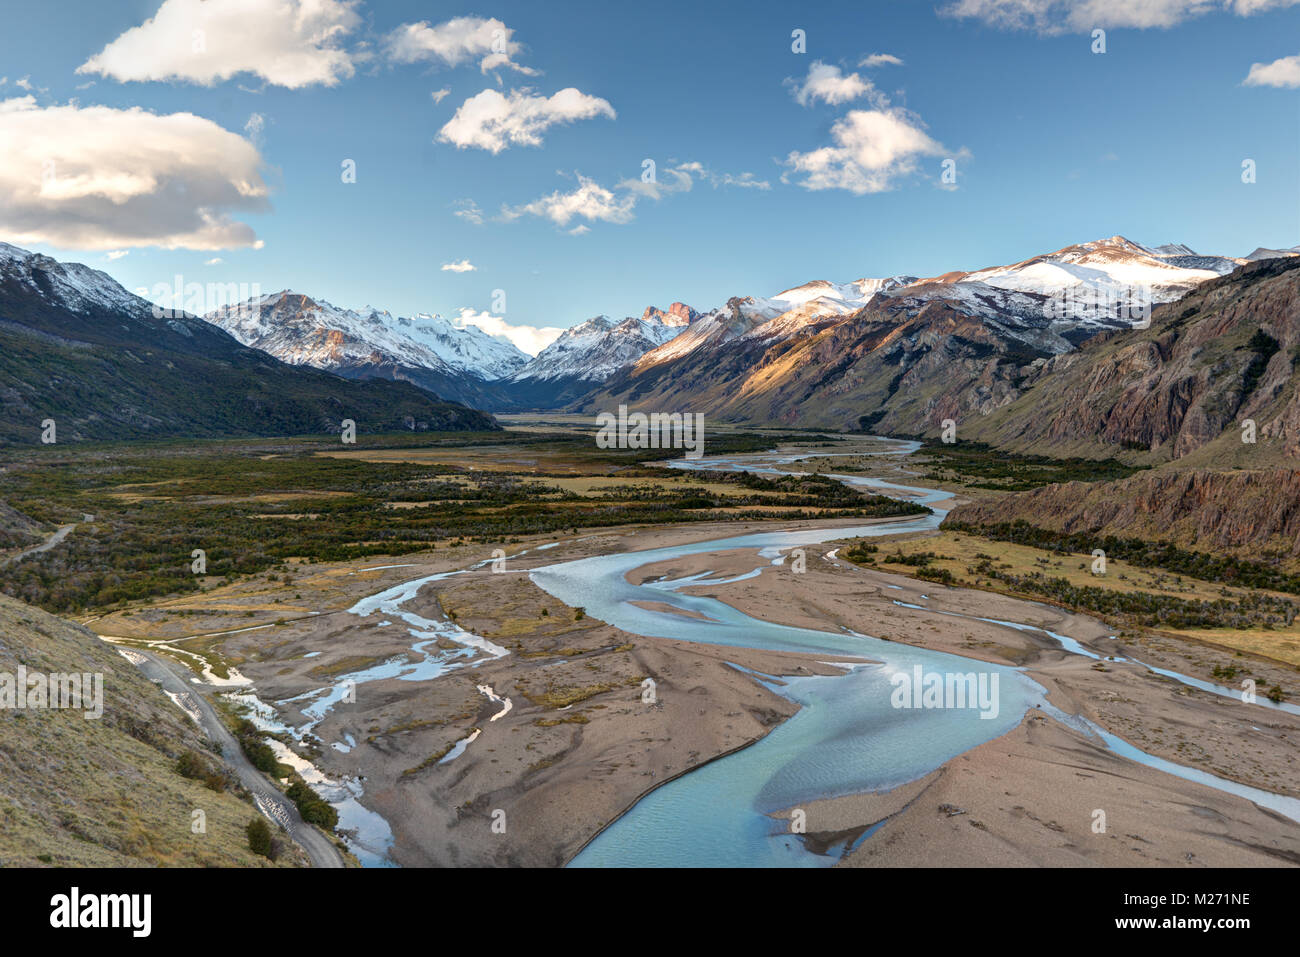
point(681, 178)
point(456, 42)
point(214, 261)
point(492, 121)
point(289, 43)
point(589, 201)
point(1283, 73)
point(469, 211)
point(1082, 16)
point(826, 82)
point(1246, 7)
point(103, 178)
point(743, 181)
point(677, 179)
point(254, 127)
point(463, 266)
point(118, 253)
point(872, 149)
point(529, 339)
point(440, 95)
point(880, 59)
point(594, 203)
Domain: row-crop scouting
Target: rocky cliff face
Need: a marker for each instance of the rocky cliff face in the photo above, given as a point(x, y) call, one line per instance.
point(1183, 389)
point(1253, 513)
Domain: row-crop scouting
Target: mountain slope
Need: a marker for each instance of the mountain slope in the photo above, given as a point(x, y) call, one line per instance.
point(78, 348)
point(428, 351)
point(587, 354)
point(104, 792)
point(1246, 512)
point(1178, 390)
point(891, 366)
point(903, 354)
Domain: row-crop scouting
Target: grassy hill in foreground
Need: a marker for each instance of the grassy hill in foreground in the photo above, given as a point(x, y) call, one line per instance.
point(106, 792)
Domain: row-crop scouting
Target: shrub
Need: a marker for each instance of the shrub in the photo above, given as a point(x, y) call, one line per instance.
point(259, 838)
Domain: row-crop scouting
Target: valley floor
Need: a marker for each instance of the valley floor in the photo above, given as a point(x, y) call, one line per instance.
point(578, 745)
point(537, 732)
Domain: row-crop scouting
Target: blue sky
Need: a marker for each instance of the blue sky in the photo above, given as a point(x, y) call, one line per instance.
point(1053, 144)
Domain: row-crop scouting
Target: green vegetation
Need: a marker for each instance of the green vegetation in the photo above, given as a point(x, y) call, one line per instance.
point(941, 575)
point(1264, 348)
point(1144, 608)
point(313, 808)
point(563, 697)
point(1229, 673)
point(1220, 568)
point(255, 748)
point(259, 838)
point(977, 465)
point(259, 506)
point(190, 765)
point(861, 552)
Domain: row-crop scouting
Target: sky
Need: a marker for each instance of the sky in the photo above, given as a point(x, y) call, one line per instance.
point(491, 162)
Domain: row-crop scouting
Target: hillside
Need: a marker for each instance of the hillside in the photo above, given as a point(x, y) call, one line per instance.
point(1249, 513)
point(901, 355)
point(78, 348)
point(105, 792)
point(458, 364)
point(894, 366)
point(1178, 391)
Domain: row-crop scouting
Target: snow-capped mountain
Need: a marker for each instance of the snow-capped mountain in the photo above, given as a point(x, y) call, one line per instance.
point(452, 361)
point(586, 355)
point(596, 349)
point(463, 346)
point(788, 313)
point(1098, 279)
point(1263, 253)
point(74, 286)
point(108, 364)
point(896, 352)
point(305, 331)
point(1048, 302)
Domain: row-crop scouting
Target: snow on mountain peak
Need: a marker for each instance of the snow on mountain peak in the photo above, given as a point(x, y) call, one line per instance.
point(302, 330)
point(75, 286)
point(597, 348)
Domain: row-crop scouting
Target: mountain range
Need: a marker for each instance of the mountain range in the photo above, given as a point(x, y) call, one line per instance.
point(453, 362)
point(900, 355)
point(586, 355)
point(77, 348)
point(1042, 306)
point(1180, 390)
point(897, 354)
